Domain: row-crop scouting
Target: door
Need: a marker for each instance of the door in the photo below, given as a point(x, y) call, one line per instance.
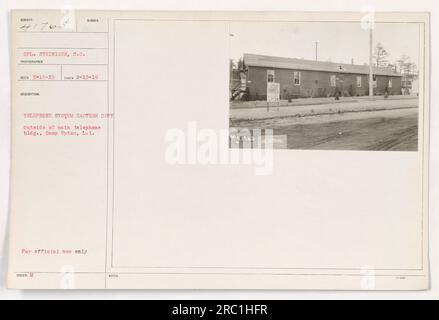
point(340, 84)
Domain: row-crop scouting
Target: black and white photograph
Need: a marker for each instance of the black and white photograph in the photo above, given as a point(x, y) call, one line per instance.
point(325, 85)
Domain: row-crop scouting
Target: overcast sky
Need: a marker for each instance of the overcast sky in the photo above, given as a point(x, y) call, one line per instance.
point(338, 42)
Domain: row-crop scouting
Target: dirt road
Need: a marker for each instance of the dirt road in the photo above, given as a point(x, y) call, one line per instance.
point(371, 130)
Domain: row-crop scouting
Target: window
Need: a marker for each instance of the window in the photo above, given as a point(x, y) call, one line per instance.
point(296, 78)
point(358, 81)
point(390, 83)
point(333, 80)
point(270, 75)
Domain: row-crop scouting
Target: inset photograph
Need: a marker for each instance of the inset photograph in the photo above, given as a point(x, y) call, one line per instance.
point(325, 85)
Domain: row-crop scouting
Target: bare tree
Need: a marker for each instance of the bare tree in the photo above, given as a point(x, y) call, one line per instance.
point(237, 64)
point(232, 64)
point(380, 56)
point(406, 66)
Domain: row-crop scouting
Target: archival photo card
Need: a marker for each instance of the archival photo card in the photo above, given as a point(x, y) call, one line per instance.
point(219, 150)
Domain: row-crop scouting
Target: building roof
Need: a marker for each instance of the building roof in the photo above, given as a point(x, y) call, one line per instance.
point(256, 60)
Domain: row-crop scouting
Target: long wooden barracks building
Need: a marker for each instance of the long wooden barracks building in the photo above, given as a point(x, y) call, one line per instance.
point(299, 78)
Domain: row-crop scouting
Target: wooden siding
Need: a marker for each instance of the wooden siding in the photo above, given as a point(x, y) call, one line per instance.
point(315, 84)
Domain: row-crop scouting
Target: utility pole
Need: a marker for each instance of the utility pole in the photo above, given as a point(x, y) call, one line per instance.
point(317, 45)
point(370, 61)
